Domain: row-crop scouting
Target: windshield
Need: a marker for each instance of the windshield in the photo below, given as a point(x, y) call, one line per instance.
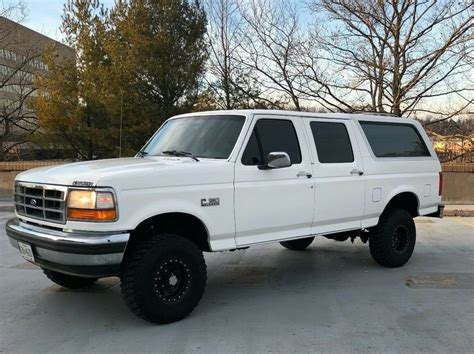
point(202, 136)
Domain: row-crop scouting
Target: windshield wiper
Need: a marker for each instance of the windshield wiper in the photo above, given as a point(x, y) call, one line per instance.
point(180, 153)
point(142, 153)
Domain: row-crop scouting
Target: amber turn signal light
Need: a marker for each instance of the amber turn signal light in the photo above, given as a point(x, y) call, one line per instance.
point(91, 214)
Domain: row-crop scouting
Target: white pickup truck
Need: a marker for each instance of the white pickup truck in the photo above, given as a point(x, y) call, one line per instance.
point(216, 181)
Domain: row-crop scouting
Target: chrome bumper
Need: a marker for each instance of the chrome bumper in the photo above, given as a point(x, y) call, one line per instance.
point(93, 254)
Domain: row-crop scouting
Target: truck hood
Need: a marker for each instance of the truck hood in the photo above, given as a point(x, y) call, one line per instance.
point(92, 172)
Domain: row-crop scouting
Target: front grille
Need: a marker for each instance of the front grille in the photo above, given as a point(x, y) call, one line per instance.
point(43, 202)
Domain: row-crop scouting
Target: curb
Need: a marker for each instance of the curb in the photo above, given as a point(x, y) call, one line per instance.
point(458, 212)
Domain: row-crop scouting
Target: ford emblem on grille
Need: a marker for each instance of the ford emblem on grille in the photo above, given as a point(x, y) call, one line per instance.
point(43, 202)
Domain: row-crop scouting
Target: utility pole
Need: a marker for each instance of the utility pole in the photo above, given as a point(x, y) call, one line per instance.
point(121, 123)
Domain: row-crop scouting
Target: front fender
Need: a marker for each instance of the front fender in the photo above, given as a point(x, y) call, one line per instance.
point(217, 219)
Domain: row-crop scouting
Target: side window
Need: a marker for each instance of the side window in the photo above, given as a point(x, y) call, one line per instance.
point(394, 140)
point(333, 144)
point(252, 154)
point(271, 135)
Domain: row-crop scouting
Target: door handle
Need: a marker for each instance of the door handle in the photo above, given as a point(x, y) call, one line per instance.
point(357, 172)
point(304, 174)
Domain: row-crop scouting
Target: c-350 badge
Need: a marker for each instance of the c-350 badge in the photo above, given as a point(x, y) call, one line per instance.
point(210, 202)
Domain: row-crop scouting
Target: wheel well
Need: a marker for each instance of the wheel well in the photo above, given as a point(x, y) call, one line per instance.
point(407, 201)
point(183, 224)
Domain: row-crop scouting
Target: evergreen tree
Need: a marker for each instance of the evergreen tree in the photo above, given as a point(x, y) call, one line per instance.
point(135, 66)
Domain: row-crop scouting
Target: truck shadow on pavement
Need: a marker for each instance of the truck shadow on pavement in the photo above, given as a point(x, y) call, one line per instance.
point(247, 281)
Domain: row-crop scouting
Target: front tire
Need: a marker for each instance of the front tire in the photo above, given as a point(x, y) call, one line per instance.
point(298, 245)
point(393, 241)
point(163, 278)
point(69, 281)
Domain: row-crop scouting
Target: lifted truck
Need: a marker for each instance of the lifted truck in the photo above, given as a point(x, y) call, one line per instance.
point(225, 180)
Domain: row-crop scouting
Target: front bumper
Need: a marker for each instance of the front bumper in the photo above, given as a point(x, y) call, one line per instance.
point(87, 254)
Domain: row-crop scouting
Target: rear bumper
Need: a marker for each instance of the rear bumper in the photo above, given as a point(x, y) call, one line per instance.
point(94, 254)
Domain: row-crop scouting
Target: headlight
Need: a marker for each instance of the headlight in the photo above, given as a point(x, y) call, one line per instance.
point(89, 205)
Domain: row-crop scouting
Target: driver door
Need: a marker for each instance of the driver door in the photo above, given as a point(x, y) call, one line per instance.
point(273, 204)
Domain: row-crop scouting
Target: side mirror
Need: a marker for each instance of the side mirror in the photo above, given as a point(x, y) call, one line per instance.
point(276, 160)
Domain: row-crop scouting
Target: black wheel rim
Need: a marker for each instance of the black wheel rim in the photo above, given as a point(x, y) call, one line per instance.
point(400, 239)
point(172, 280)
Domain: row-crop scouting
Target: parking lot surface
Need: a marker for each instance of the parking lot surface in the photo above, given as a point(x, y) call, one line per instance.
point(330, 298)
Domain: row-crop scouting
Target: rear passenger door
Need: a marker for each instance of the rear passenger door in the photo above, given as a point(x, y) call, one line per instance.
point(338, 175)
point(273, 204)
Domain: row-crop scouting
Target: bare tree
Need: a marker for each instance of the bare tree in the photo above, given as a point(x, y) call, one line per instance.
point(17, 90)
point(17, 116)
point(14, 11)
point(397, 56)
point(223, 42)
point(231, 83)
point(272, 45)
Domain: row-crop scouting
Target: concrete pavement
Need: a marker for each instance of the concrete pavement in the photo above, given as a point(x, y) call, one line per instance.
point(331, 298)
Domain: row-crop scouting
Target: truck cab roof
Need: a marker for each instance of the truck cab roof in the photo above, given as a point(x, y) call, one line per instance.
point(370, 116)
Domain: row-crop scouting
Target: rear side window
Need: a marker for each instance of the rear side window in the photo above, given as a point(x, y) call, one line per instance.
point(271, 135)
point(333, 144)
point(394, 140)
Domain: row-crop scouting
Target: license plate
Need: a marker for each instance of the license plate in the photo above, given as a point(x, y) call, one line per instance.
point(26, 251)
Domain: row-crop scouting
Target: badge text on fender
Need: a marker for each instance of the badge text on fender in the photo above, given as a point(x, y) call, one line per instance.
point(210, 202)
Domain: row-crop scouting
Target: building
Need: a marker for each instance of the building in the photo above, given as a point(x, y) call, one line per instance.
point(21, 50)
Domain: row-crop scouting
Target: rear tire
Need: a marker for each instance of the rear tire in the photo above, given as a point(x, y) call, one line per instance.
point(69, 281)
point(163, 278)
point(393, 241)
point(297, 245)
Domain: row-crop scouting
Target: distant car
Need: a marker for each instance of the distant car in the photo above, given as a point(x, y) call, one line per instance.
point(225, 180)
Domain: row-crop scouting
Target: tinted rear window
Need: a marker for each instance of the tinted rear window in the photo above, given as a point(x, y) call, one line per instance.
point(332, 142)
point(394, 140)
